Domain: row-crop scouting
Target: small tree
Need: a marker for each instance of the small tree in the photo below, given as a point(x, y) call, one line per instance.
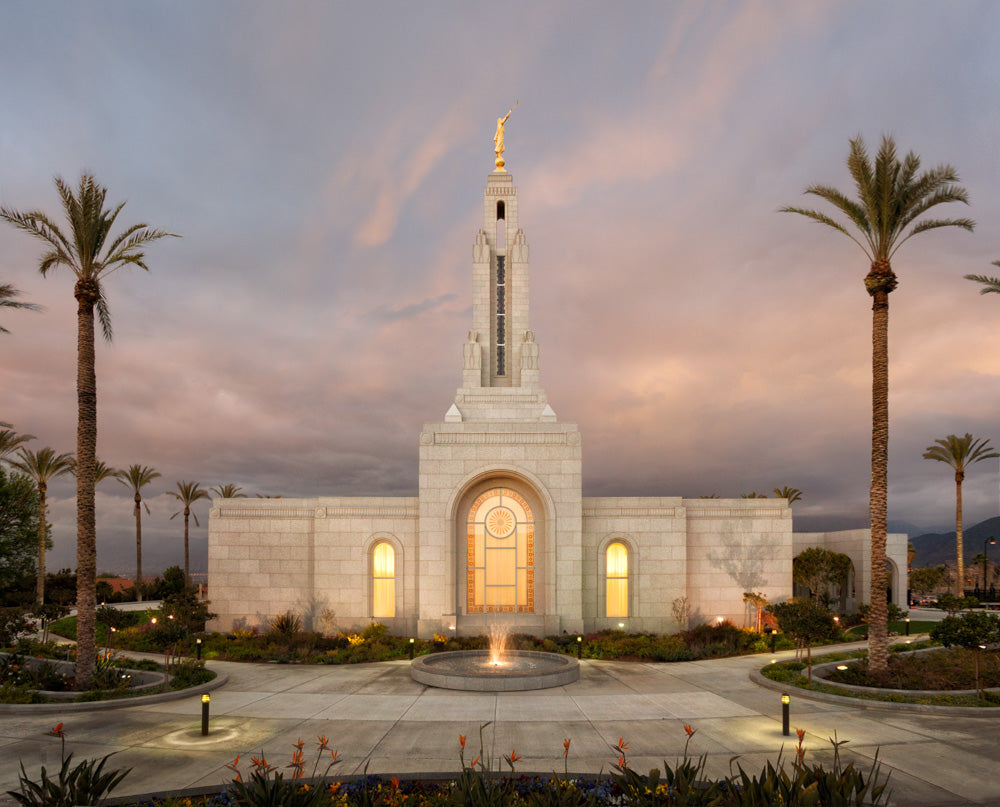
point(756, 601)
point(928, 579)
point(974, 630)
point(806, 622)
point(819, 569)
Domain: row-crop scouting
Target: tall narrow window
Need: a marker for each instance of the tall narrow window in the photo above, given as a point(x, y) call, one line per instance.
point(384, 581)
point(501, 554)
point(617, 580)
point(501, 316)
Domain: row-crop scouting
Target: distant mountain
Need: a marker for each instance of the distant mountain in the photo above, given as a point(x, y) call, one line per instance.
point(935, 548)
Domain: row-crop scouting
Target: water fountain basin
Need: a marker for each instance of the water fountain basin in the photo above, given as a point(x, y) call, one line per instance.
point(472, 671)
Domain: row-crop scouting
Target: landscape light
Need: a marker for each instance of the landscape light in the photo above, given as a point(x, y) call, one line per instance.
point(621, 626)
point(197, 644)
point(841, 666)
point(579, 647)
point(153, 621)
point(412, 643)
point(785, 700)
point(205, 700)
point(907, 620)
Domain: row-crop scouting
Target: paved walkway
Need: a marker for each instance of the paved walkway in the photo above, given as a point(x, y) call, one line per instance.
point(376, 716)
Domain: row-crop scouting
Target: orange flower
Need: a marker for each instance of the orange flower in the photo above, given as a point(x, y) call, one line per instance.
point(333, 757)
point(621, 762)
point(513, 755)
point(323, 743)
point(474, 762)
point(395, 782)
point(233, 767)
point(688, 730)
point(622, 745)
point(260, 762)
point(801, 733)
point(299, 745)
point(57, 731)
point(461, 739)
point(566, 747)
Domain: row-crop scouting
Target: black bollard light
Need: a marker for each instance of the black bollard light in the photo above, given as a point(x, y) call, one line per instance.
point(785, 700)
point(412, 643)
point(773, 635)
point(205, 700)
point(197, 646)
point(579, 647)
point(907, 626)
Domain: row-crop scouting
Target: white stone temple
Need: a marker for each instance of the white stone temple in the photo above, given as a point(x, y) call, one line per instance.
point(500, 529)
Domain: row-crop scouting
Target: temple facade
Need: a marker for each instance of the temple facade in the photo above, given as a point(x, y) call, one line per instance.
point(500, 530)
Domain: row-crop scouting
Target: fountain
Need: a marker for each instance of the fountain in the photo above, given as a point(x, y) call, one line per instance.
point(497, 669)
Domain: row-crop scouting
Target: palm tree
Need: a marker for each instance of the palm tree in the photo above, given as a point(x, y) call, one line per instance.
point(102, 471)
point(187, 493)
point(7, 295)
point(87, 253)
point(136, 478)
point(10, 441)
point(792, 494)
point(891, 196)
point(42, 465)
point(229, 491)
point(990, 284)
point(959, 453)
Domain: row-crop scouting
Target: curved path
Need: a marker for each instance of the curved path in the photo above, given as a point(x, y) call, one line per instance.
point(375, 715)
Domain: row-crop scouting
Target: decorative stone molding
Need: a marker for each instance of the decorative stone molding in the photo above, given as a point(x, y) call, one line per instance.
point(502, 438)
point(640, 512)
point(269, 512)
point(375, 511)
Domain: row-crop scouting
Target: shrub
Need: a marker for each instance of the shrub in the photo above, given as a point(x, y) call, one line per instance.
point(286, 624)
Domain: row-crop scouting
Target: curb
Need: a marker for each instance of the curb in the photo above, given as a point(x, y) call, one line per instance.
point(120, 703)
point(860, 703)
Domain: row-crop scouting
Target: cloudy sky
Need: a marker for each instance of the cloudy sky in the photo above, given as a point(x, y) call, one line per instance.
point(324, 163)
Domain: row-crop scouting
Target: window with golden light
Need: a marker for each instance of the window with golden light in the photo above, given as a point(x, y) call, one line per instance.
point(500, 554)
point(616, 576)
point(384, 581)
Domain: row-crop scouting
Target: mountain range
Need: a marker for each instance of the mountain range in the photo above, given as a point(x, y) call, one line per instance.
point(936, 548)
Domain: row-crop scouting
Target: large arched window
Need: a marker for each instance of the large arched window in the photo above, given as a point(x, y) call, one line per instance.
point(384, 580)
point(616, 575)
point(501, 554)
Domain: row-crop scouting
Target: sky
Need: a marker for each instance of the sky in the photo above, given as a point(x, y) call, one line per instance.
point(324, 163)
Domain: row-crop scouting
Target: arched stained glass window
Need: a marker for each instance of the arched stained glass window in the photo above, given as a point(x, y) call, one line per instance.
point(616, 575)
point(501, 554)
point(384, 581)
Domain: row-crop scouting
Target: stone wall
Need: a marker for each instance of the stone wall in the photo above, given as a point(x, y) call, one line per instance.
point(735, 546)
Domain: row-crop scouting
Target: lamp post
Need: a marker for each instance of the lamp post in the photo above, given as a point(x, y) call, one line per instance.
point(412, 643)
point(205, 700)
point(986, 558)
point(785, 700)
point(579, 647)
point(197, 644)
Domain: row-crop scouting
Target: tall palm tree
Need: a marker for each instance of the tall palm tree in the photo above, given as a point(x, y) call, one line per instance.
point(891, 196)
point(960, 453)
point(91, 254)
point(990, 284)
point(10, 441)
point(42, 466)
point(229, 491)
point(7, 295)
point(187, 493)
point(792, 494)
point(136, 478)
point(102, 471)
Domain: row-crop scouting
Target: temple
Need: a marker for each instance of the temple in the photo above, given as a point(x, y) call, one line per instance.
point(499, 530)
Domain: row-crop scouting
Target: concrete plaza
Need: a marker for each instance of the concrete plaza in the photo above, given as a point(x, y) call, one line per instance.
point(376, 716)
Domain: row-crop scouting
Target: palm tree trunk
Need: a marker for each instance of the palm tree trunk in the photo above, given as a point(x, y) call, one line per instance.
point(138, 547)
point(42, 533)
point(960, 583)
point(878, 622)
point(187, 575)
point(86, 450)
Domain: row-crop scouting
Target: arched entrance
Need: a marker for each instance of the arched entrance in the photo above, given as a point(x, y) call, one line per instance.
point(499, 530)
